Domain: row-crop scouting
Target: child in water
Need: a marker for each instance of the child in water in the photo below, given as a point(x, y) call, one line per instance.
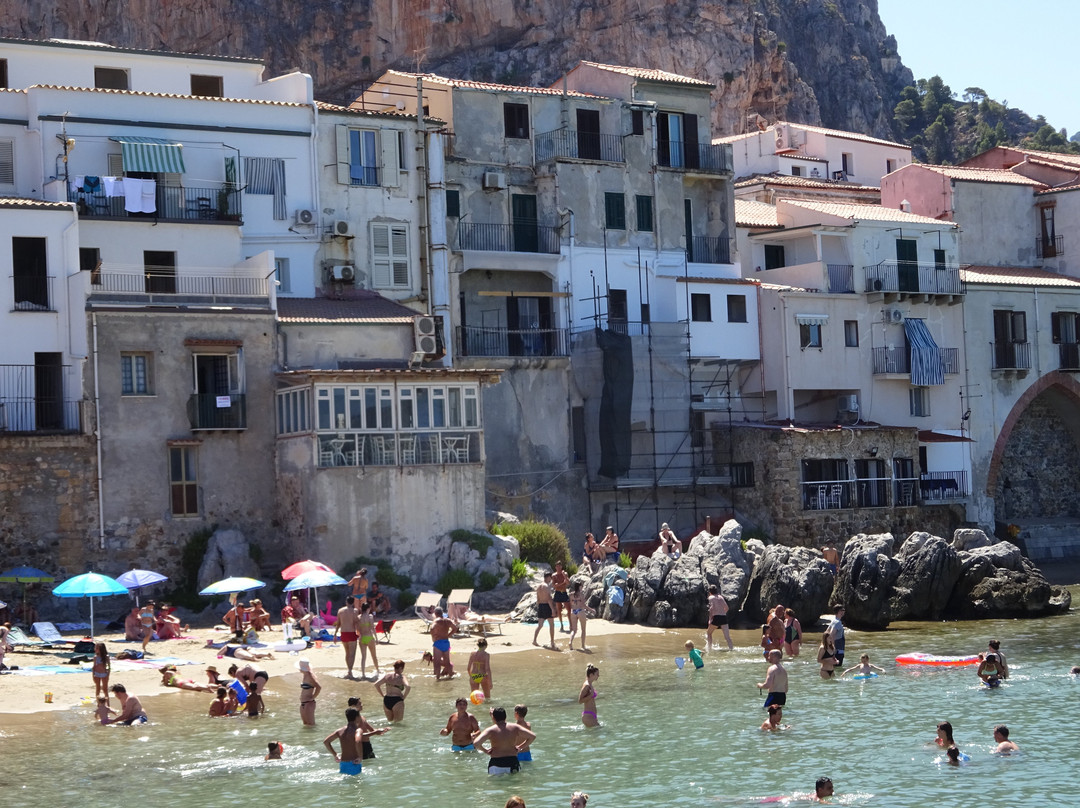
point(103, 710)
point(864, 668)
point(695, 655)
point(274, 750)
point(990, 670)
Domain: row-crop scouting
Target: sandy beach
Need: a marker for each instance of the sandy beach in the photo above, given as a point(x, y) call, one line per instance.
point(408, 641)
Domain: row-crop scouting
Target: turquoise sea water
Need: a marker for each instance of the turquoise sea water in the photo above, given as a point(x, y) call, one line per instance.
point(669, 737)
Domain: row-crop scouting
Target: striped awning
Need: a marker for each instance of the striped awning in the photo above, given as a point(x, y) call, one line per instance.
point(151, 154)
point(811, 319)
point(926, 365)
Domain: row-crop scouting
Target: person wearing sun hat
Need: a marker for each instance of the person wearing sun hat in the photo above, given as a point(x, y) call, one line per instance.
point(309, 691)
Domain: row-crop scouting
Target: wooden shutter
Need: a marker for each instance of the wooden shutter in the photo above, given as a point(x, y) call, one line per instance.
point(390, 256)
point(390, 158)
point(343, 155)
point(116, 164)
point(7, 162)
point(399, 254)
point(690, 138)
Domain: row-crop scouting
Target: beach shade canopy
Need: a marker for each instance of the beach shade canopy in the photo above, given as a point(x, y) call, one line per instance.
point(230, 586)
point(26, 575)
point(90, 585)
point(300, 567)
point(315, 579)
point(136, 579)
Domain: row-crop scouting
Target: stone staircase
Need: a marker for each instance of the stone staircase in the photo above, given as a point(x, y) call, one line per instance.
point(1049, 538)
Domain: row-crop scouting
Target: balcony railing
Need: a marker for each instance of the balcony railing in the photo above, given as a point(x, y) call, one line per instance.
point(706, 158)
point(563, 143)
point(208, 411)
point(841, 278)
point(1011, 355)
point(522, 236)
point(397, 448)
point(1049, 247)
point(910, 277)
point(32, 293)
point(1069, 356)
point(364, 175)
point(936, 486)
point(32, 400)
point(483, 341)
point(897, 360)
point(709, 250)
point(173, 204)
point(164, 282)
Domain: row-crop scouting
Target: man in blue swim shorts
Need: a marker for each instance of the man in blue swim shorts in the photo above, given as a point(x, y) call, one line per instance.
point(349, 761)
point(131, 710)
point(776, 680)
point(461, 726)
point(441, 630)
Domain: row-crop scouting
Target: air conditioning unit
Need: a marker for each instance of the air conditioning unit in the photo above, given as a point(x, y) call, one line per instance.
point(894, 316)
point(424, 332)
point(781, 141)
point(304, 216)
point(848, 403)
point(346, 273)
point(494, 181)
point(343, 227)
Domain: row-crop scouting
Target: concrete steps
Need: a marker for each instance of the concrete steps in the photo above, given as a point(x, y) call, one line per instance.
point(1049, 539)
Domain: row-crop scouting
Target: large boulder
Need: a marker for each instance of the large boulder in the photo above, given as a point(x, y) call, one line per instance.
point(227, 555)
point(643, 584)
point(968, 538)
point(929, 569)
point(797, 577)
point(501, 598)
point(997, 581)
point(684, 589)
point(865, 580)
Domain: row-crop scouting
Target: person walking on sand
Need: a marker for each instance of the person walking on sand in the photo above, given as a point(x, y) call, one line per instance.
point(480, 668)
point(587, 697)
point(441, 631)
point(147, 621)
point(360, 584)
point(559, 581)
point(366, 629)
point(100, 671)
point(394, 687)
point(461, 726)
point(544, 611)
point(776, 680)
point(504, 742)
point(349, 761)
point(309, 692)
point(718, 618)
point(579, 613)
point(348, 623)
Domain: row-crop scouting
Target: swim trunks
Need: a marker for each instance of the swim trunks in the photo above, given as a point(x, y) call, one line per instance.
point(543, 611)
point(718, 620)
point(349, 636)
point(525, 757)
point(350, 767)
point(389, 702)
point(456, 748)
point(139, 719)
point(229, 652)
point(368, 752)
point(442, 645)
point(561, 597)
point(775, 697)
point(503, 765)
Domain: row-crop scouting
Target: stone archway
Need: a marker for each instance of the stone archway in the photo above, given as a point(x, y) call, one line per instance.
point(1035, 468)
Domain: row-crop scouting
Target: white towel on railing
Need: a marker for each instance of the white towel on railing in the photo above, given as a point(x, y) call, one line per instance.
point(114, 186)
point(149, 196)
point(132, 195)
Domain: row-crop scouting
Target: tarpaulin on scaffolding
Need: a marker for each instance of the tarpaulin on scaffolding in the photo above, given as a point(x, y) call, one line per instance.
point(615, 403)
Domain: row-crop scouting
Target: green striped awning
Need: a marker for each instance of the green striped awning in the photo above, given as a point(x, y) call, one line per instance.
point(151, 154)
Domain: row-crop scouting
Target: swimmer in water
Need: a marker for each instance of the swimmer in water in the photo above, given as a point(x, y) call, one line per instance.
point(944, 737)
point(587, 697)
point(864, 668)
point(274, 750)
point(776, 715)
point(952, 756)
point(990, 671)
point(1004, 745)
point(823, 788)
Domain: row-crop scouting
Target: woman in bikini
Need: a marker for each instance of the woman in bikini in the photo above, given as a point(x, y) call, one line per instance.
point(309, 692)
point(587, 697)
point(101, 670)
point(366, 631)
point(148, 622)
point(826, 657)
point(170, 678)
point(394, 687)
point(480, 668)
point(579, 614)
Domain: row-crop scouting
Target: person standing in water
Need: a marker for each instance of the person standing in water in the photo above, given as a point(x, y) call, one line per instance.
point(587, 697)
point(367, 752)
point(836, 633)
point(480, 668)
point(1004, 745)
point(349, 761)
point(309, 692)
point(792, 633)
point(776, 680)
point(718, 618)
point(394, 687)
point(520, 711)
point(504, 742)
point(544, 610)
point(461, 726)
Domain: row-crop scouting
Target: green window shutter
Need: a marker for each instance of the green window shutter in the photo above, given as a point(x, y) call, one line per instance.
point(615, 211)
point(343, 155)
point(644, 205)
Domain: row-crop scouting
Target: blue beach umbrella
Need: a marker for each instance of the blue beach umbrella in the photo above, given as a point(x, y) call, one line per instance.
point(136, 579)
point(230, 586)
point(313, 580)
point(24, 576)
point(90, 585)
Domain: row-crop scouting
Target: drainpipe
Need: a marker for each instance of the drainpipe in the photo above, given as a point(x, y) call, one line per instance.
point(789, 398)
point(436, 241)
point(1038, 353)
point(424, 212)
point(97, 440)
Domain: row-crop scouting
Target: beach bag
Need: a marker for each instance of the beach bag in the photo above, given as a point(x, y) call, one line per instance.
point(83, 647)
point(130, 655)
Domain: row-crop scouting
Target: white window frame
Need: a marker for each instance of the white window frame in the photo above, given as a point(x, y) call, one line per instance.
point(281, 274)
point(235, 366)
point(390, 256)
point(919, 400)
point(407, 408)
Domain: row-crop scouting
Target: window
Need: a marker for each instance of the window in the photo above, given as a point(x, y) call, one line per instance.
point(184, 480)
point(207, 86)
point(293, 411)
point(796, 171)
point(847, 163)
point(701, 308)
point(516, 121)
point(7, 162)
point(159, 272)
point(615, 211)
point(618, 312)
point(774, 256)
point(110, 78)
point(644, 207)
point(135, 374)
point(1048, 241)
point(890, 166)
point(401, 151)
point(30, 276)
point(920, 401)
point(1010, 339)
point(1063, 327)
point(851, 333)
point(637, 122)
point(390, 256)
point(363, 157)
point(3, 73)
point(281, 274)
point(809, 335)
point(736, 308)
point(939, 260)
point(90, 261)
point(453, 204)
point(677, 139)
point(382, 408)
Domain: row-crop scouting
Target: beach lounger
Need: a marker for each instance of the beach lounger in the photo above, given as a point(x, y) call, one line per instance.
point(426, 603)
point(24, 644)
point(459, 606)
point(47, 632)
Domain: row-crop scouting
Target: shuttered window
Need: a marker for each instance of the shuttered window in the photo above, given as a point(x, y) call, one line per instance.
point(390, 256)
point(7, 162)
point(615, 211)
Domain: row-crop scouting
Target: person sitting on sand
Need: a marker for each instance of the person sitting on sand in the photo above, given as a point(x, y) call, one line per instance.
point(864, 668)
point(260, 618)
point(168, 627)
point(380, 603)
point(132, 626)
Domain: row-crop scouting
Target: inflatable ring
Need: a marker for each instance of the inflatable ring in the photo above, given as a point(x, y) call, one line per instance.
point(935, 659)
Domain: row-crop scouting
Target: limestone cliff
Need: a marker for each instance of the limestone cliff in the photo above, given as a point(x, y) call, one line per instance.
point(816, 61)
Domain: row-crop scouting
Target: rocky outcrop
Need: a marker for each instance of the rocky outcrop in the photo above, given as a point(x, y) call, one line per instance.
point(998, 581)
point(227, 555)
point(929, 569)
point(970, 539)
point(797, 577)
point(815, 61)
point(865, 579)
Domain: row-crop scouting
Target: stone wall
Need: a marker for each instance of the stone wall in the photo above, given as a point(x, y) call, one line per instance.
point(1040, 469)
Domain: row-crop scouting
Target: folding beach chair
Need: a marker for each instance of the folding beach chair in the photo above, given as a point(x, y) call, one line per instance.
point(459, 606)
point(426, 603)
point(384, 627)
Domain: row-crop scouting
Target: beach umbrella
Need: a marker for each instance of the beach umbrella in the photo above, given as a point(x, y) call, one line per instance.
point(3, 605)
point(24, 576)
point(313, 580)
point(231, 586)
point(136, 579)
point(90, 585)
point(300, 567)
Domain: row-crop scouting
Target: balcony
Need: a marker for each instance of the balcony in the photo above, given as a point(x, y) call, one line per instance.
point(32, 401)
point(208, 411)
point(210, 205)
point(520, 237)
point(1069, 355)
point(577, 145)
point(699, 158)
point(32, 293)
point(897, 360)
point(352, 449)
point(943, 486)
point(906, 278)
point(1011, 356)
point(709, 250)
point(1049, 246)
point(841, 278)
point(161, 285)
point(484, 341)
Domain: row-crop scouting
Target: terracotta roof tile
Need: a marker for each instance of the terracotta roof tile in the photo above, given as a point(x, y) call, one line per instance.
point(1016, 276)
point(468, 84)
point(371, 308)
point(999, 175)
point(648, 73)
point(867, 213)
point(325, 106)
point(805, 182)
point(143, 94)
point(755, 214)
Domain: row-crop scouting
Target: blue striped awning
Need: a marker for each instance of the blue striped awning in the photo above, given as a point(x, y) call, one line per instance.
point(926, 365)
point(151, 154)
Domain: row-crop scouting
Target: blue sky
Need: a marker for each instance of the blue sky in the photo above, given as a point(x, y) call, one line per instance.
point(1021, 52)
